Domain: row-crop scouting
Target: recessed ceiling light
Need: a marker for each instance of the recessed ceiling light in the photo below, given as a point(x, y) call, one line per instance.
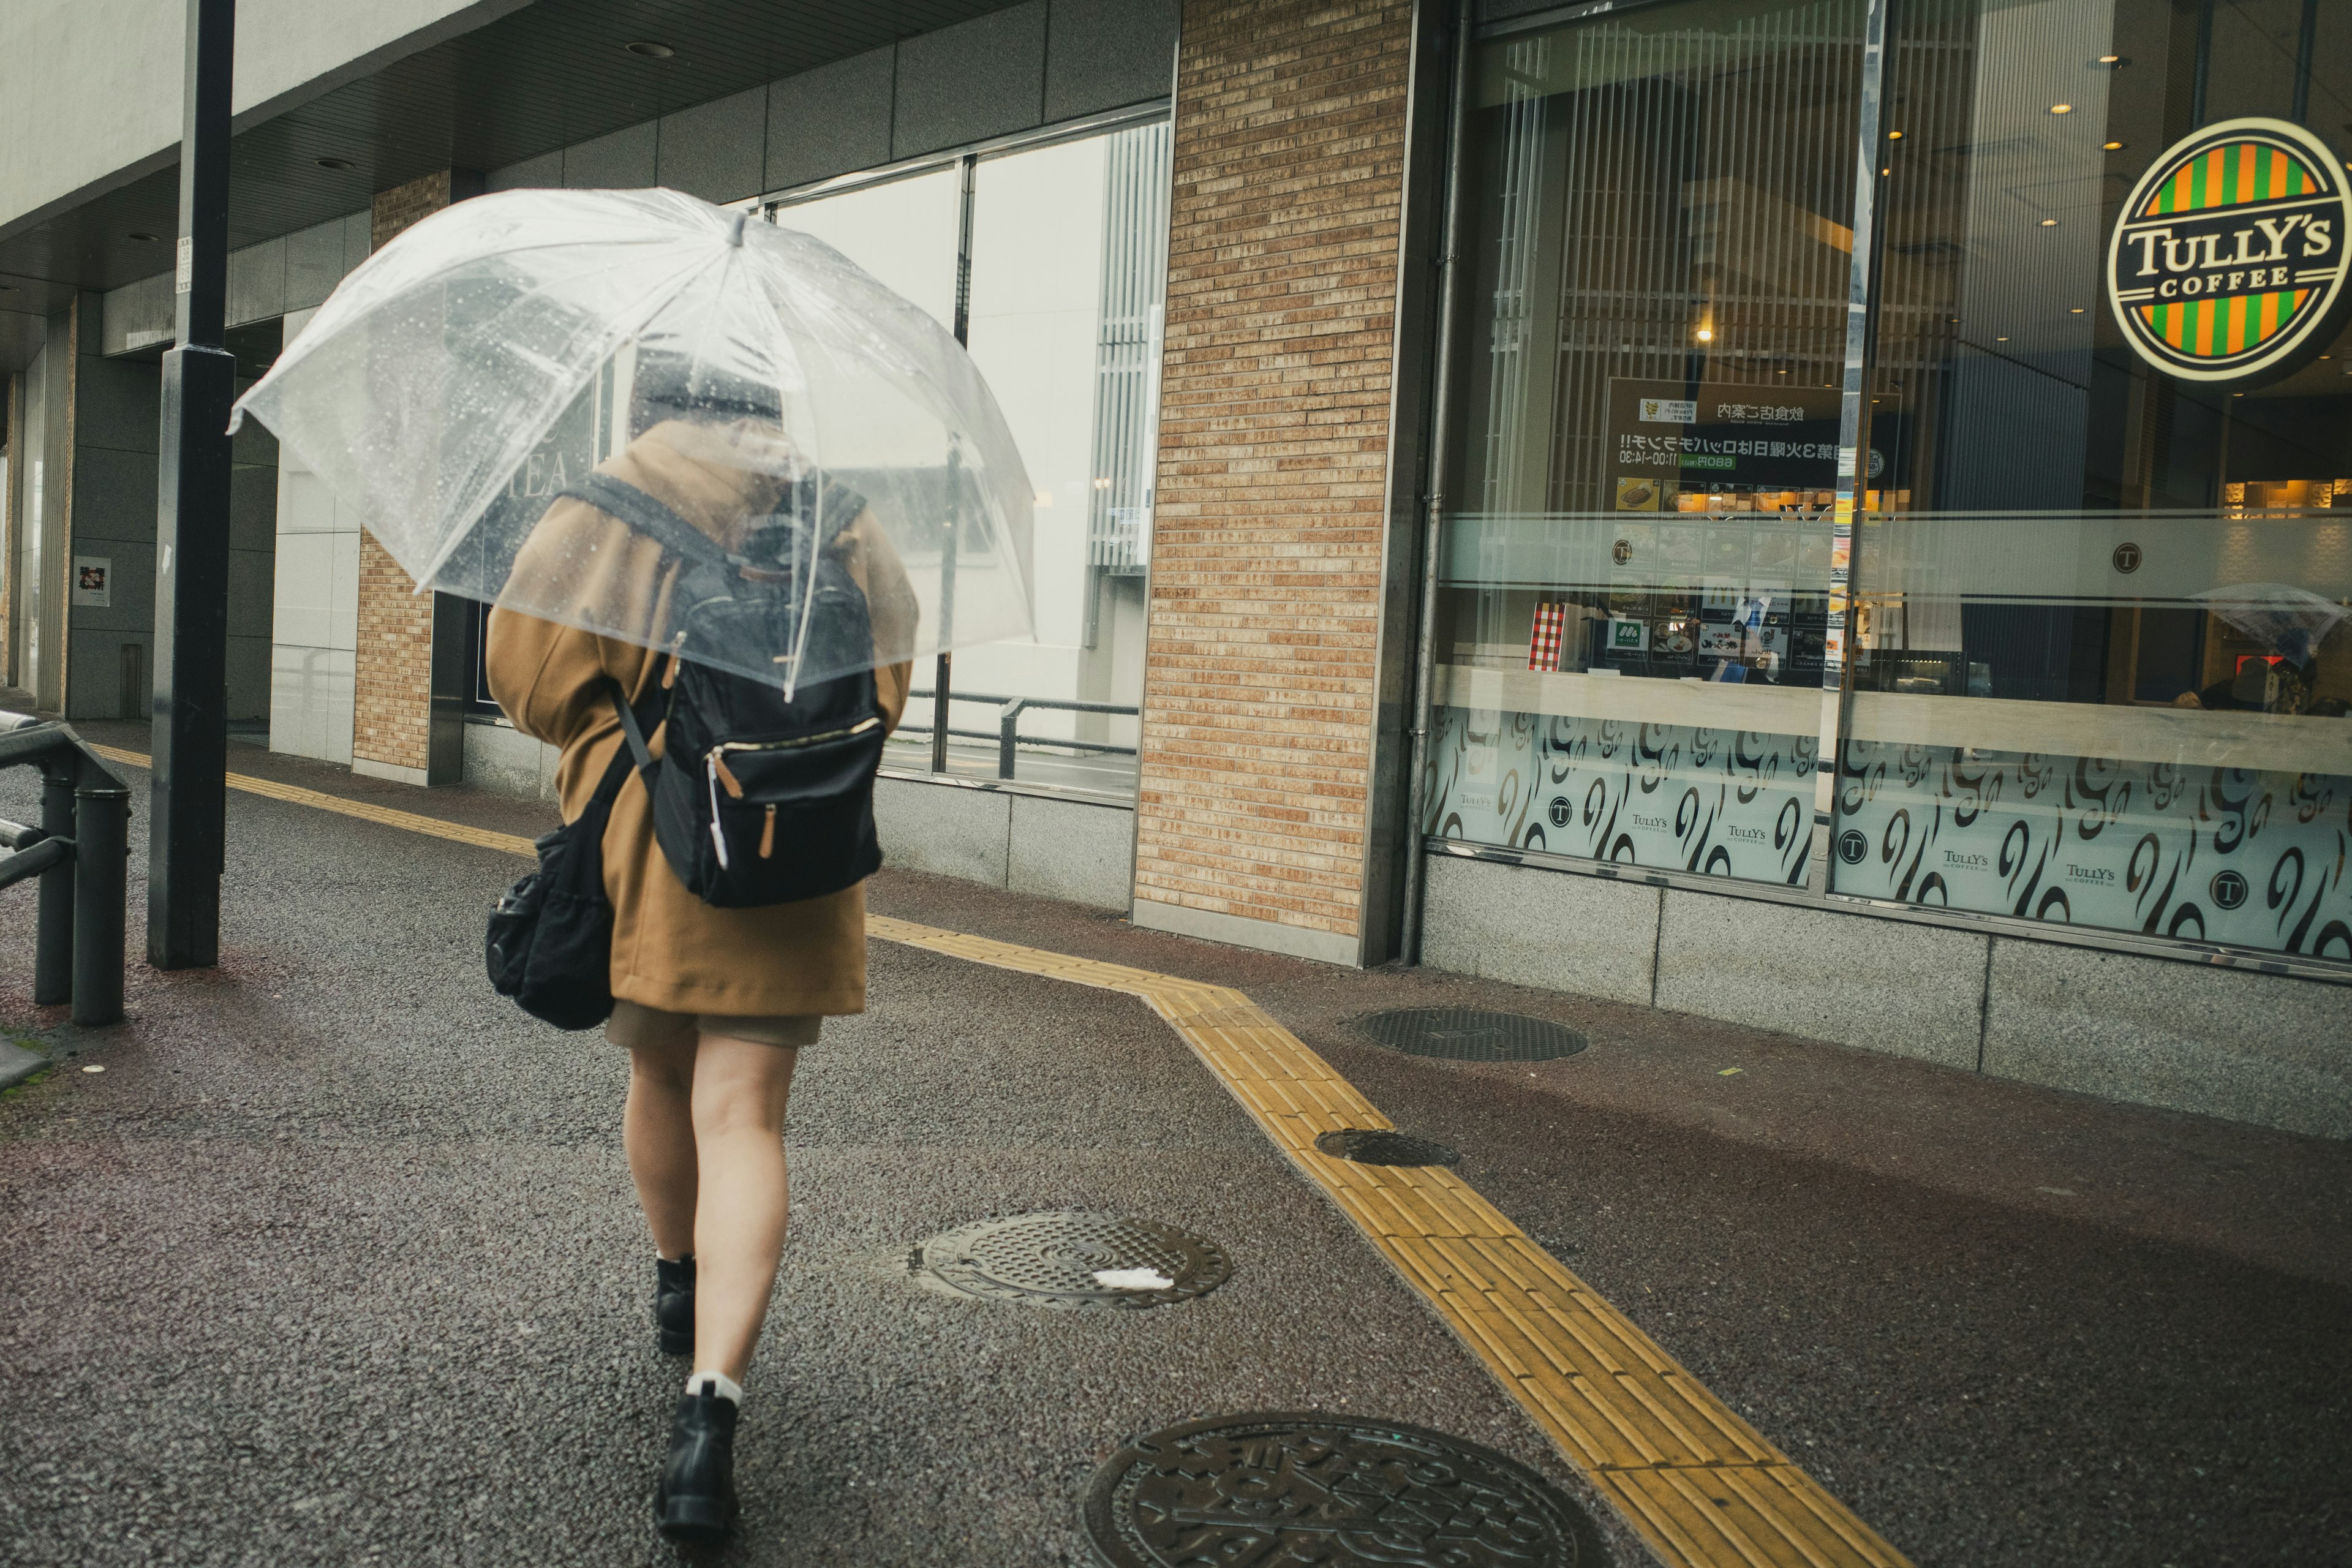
point(2111, 146)
point(1784, 373)
point(2076, 310)
point(1894, 136)
point(651, 50)
point(2113, 62)
point(144, 238)
point(2001, 339)
point(1707, 334)
point(2062, 108)
point(338, 165)
point(1886, 171)
point(2050, 223)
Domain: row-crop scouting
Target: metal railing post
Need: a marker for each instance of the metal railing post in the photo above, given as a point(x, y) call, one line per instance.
point(100, 864)
point(1008, 736)
point(53, 946)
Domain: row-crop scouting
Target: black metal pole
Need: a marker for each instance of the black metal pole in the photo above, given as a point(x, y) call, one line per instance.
point(943, 670)
point(53, 946)
point(100, 865)
point(2306, 46)
point(191, 727)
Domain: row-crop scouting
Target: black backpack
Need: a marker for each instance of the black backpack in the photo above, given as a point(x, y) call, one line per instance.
point(759, 798)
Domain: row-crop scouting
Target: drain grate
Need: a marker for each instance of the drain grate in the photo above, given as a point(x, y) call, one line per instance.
point(1336, 1492)
point(1378, 1146)
point(1466, 1034)
point(1073, 1259)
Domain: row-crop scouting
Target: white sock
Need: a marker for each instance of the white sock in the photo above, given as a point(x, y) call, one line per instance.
point(716, 1383)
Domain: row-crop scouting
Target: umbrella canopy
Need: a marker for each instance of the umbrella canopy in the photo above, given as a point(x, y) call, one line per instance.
point(503, 360)
point(2293, 621)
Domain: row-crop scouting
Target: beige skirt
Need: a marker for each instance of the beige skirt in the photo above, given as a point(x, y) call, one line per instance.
point(636, 1027)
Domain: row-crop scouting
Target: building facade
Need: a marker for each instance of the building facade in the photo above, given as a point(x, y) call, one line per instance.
point(1825, 514)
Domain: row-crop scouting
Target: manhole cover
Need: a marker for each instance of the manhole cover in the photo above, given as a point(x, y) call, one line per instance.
point(1072, 1258)
point(1333, 1492)
point(1469, 1035)
point(1377, 1146)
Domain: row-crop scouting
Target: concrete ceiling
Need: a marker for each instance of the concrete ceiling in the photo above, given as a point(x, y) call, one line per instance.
point(552, 73)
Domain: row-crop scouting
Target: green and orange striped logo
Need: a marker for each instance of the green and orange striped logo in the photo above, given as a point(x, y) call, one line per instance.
point(2228, 261)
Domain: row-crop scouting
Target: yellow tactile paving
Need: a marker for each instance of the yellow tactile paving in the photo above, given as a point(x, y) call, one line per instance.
point(456, 832)
point(1698, 1484)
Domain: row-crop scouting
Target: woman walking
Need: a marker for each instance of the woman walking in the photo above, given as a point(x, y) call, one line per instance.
point(713, 1004)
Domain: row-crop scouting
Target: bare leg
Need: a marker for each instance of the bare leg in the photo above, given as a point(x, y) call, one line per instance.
point(741, 1087)
point(657, 1130)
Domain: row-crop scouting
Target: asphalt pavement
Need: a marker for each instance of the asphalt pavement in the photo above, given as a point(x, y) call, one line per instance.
point(337, 1260)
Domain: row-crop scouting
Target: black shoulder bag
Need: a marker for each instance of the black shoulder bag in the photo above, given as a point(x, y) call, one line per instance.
point(550, 945)
point(760, 798)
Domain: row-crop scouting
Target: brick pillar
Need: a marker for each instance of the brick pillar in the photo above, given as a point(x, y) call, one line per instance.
point(1262, 682)
point(396, 731)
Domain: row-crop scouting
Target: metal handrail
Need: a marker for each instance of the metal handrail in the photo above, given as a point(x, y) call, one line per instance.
point(80, 852)
point(1008, 723)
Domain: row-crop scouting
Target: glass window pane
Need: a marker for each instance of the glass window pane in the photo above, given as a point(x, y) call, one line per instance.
point(1631, 630)
point(902, 231)
point(2100, 679)
point(1069, 263)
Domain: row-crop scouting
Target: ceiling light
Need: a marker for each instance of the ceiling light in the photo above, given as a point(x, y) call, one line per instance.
point(2062, 108)
point(2076, 310)
point(1894, 136)
point(1707, 334)
point(2113, 62)
point(2050, 223)
point(144, 238)
point(1784, 373)
point(1886, 171)
point(338, 165)
point(651, 50)
point(2112, 146)
point(2001, 339)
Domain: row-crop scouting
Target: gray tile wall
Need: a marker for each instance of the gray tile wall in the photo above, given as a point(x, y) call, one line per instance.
point(1029, 65)
point(2265, 1048)
point(292, 272)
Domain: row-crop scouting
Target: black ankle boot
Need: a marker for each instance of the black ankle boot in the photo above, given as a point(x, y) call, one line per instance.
point(674, 1304)
point(696, 1501)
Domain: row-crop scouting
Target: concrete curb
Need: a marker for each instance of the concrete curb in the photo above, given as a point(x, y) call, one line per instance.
point(17, 1064)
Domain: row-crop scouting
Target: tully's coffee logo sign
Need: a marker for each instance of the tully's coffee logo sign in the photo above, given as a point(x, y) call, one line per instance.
point(1851, 846)
point(2228, 263)
point(2229, 888)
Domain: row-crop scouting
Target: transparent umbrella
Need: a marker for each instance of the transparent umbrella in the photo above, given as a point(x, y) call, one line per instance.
point(616, 409)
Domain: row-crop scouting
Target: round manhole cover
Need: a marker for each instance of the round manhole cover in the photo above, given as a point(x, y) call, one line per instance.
point(1466, 1034)
point(1378, 1146)
point(1071, 1259)
point(1336, 1493)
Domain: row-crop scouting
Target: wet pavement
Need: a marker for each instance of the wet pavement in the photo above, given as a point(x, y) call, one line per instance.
point(337, 1260)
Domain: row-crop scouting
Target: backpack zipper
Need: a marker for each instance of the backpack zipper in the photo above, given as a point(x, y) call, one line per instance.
point(857, 729)
point(716, 771)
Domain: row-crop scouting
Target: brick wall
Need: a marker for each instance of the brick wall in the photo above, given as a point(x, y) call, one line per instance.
point(1266, 552)
point(392, 702)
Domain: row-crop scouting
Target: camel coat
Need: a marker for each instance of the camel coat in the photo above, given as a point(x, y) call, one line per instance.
point(670, 950)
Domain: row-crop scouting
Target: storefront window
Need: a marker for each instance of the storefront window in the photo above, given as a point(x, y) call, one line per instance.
point(1634, 580)
point(2099, 677)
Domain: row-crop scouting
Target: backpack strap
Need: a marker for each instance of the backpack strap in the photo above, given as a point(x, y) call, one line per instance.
point(839, 505)
point(633, 729)
point(654, 519)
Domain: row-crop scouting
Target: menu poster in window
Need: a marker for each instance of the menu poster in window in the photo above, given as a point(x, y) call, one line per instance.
point(1669, 439)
